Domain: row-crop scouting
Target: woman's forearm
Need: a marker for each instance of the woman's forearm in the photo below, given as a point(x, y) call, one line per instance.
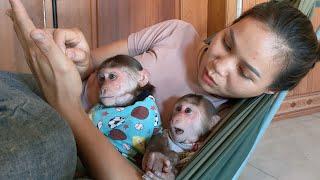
point(102, 53)
point(96, 152)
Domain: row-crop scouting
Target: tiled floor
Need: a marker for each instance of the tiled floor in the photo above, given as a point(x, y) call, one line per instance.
point(290, 150)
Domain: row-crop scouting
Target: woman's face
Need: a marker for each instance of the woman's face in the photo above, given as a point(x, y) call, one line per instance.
point(240, 61)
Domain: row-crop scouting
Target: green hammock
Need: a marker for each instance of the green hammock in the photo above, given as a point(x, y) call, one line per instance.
point(230, 144)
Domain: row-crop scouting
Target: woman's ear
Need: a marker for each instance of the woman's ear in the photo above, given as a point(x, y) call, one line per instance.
point(143, 78)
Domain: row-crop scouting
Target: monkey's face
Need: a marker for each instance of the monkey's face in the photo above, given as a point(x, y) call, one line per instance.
point(185, 124)
point(117, 86)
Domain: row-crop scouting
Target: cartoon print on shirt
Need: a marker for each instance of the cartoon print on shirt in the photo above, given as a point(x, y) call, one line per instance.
point(139, 143)
point(126, 146)
point(99, 125)
point(115, 122)
point(119, 109)
point(117, 134)
point(151, 97)
point(140, 113)
point(138, 126)
point(156, 120)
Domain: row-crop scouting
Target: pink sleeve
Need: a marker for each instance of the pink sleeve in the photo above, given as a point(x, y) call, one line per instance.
point(152, 36)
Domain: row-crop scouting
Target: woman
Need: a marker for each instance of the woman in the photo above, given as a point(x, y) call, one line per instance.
point(269, 48)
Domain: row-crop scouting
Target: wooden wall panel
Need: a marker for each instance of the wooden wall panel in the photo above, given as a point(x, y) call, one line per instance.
point(118, 18)
point(217, 15)
point(76, 13)
point(247, 4)
point(232, 11)
point(12, 57)
point(196, 12)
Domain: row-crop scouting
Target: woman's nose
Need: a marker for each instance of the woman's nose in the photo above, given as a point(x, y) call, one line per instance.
point(222, 65)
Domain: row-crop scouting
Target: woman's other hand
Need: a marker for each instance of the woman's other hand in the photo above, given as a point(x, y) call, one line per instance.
point(71, 41)
point(56, 73)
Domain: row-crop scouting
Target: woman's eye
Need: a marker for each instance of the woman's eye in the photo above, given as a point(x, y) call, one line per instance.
point(188, 110)
point(178, 108)
point(112, 76)
point(244, 75)
point(226, 45)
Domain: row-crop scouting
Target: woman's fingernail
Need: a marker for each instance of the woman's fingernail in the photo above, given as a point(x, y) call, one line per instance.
point(37, 36)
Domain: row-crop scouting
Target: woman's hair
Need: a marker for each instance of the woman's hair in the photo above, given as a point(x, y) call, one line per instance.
point(296, 40)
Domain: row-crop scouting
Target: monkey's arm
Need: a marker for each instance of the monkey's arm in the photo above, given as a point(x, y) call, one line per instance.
point(158, 151)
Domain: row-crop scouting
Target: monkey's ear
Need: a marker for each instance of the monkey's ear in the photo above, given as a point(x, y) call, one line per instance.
point(144, 78)
point(214, 120)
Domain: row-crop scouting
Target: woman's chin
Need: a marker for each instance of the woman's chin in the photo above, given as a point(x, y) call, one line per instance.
point(207, 88)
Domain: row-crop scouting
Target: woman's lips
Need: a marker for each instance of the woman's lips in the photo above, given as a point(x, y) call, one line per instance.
point(207, 79)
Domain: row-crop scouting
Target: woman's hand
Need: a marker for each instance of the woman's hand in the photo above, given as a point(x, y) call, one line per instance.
point(61, 84)
point(71, 41)
point(57, 75)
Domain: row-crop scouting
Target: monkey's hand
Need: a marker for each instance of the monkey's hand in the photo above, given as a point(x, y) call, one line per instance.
point(156, 161)
point(158, 176)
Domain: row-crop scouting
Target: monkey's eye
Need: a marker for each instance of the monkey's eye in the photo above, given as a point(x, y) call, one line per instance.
point(101, 77)
point(178, 131)
point(178, 108)
point(112, 76)
point(188, 110)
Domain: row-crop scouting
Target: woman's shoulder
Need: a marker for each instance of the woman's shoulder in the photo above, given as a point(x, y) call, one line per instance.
point(180, 25)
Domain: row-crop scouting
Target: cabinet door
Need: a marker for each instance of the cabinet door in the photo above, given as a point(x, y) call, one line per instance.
point(12, 56)
point(76, 14)
point(118, 18)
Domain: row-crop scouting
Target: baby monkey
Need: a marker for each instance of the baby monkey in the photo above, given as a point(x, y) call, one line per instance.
point(127, 113)
point(192, 119)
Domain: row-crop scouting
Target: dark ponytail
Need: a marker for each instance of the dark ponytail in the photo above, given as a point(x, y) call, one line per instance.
point(297, 43)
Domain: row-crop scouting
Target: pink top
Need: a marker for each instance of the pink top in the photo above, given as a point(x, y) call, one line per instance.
point(170, 51)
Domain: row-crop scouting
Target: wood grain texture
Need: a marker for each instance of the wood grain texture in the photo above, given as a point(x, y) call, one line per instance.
point(232, 11)
point(196, 12)
point(76, 14)
point(247, 4)
point(12, 56)
point(217, 15)
point(116, 19)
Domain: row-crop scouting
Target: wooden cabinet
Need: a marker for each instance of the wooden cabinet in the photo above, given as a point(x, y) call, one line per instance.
point(12, 57)
point(117, 19)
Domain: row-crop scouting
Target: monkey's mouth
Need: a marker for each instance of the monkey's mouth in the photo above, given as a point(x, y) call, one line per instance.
point(178, 131)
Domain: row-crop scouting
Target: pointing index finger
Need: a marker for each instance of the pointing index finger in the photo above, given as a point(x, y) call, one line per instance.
point(21, 18)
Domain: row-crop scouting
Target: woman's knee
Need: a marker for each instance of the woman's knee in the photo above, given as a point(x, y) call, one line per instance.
point(34, 140)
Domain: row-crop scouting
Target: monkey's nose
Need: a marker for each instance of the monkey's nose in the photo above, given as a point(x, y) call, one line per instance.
point(103, 91)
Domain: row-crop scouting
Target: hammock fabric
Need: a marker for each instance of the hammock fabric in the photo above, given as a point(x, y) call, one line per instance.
point(227, 151)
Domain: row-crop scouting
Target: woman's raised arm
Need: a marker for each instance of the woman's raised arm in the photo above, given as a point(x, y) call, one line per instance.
point(61, 84)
